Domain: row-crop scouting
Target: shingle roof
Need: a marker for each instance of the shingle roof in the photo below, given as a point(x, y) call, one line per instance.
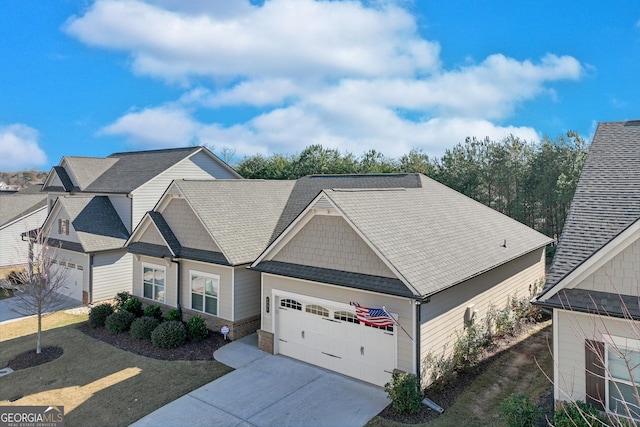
point(16, 205)
point(96, 222)
point(434, 236)
point(602, 303)
point(165, 231)
point(239, 214)
point(607, 198)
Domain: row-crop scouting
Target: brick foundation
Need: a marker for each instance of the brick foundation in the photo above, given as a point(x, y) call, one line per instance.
point(265, 341)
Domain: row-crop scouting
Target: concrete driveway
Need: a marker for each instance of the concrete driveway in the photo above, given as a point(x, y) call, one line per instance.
point(8, 307)
point(267, 390)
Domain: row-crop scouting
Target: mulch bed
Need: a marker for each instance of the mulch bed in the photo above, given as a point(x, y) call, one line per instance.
point(192, 350)
point(31, 358)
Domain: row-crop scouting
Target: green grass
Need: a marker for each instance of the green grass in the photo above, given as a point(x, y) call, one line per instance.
point(519, 369)
point(98, 384)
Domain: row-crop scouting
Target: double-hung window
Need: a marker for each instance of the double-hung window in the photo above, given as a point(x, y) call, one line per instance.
point(153, 278)
point(623, 377)
point(204, 292)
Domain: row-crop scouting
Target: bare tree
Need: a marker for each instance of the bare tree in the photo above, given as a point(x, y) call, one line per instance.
point(41, 287)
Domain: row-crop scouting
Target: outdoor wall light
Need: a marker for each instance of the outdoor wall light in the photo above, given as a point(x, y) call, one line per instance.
point(267, 304)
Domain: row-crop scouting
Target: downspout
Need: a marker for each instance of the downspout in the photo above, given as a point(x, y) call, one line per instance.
point(418, 304)
point(90, 296)
point(178, 284)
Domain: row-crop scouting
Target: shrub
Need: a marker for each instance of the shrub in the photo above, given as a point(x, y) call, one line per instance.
point(153, 311)
point(578, 414)
point(121, 299)
point(468, 348)
point(439, 371)
point(173, 314)
point(99, 314)
point(519, 411)
point(133, 306)
point(170, 334)
point(197, 329)
point(404, 392)
point(120, 321)
point(142, 327)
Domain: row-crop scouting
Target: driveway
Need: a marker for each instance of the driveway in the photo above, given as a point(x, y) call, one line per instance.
point(8, 305)
point(267, 390)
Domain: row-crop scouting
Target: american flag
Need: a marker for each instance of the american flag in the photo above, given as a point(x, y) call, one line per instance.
point(372, 316)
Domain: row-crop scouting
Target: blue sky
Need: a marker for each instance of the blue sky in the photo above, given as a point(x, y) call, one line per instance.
point(88, 78)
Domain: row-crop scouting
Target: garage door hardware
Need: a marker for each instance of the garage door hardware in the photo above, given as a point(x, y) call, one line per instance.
point(331, 320)
point(280, 339)
point(332, 355)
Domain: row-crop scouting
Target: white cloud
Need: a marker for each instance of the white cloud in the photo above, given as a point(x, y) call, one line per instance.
point(19, 148)
point(345, 74)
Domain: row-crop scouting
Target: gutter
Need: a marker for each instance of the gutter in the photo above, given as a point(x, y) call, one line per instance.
point(90, 296)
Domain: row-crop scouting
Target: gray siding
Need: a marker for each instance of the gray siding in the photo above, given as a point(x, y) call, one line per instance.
point(619, 275)
point(444, 315)
point(122, 205)
point(246, 288)
point(53, 233)
point(171, 279)
point(187, 227)
point(14, 251)
point(111, 274)
point(198, 166)
point(403, 307)
point(152, 235)
point(225, 296)
point(329, 242)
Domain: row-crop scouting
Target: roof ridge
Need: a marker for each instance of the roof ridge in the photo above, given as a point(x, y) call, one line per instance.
point(159, 150)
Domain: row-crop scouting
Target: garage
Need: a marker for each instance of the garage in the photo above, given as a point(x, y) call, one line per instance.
point(72, 275)
point(328, 334)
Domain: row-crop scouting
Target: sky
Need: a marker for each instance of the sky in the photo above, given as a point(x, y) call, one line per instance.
point(90, 78)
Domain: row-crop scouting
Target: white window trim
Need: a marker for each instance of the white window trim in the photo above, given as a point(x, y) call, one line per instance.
point(211, 276)
point(616, 342)
point(155, 267)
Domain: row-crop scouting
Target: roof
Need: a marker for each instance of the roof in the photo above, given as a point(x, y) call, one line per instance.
point(95, 221)
point(119, 172)
point(433, 236)
point(602, 303)
point(606, 201)
point(17, 205)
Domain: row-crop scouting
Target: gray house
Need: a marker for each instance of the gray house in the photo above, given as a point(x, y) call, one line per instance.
point(94, 203)
point(19, 213)
point(594, 282)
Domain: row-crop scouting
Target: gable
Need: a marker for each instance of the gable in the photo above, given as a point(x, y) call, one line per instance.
point(57, 230)
point(187, 226)
point(152, 236)
point(327, 241)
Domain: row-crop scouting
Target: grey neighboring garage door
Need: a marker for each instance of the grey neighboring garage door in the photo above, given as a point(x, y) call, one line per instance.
point(328, 334)
point(73, 278)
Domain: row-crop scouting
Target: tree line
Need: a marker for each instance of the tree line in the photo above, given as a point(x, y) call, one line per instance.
point(530, 182)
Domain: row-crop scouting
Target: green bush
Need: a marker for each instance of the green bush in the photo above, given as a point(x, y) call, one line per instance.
point(120, 321)
point(99, 314)
point(578, 414)
point(153, 311)
point(170, 334)
point(468, 347)
point(121, 299)
point(404, 392)
point(439, 371)
point(142, 327)
point(133, 306)
point(173, 314)
point(519, 411)
point(197, 329)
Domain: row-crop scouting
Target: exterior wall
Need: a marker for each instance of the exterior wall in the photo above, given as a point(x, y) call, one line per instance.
point(53, 233)
point(403, 307)
point(170, 284)
point(329, 242)
point(111, 273)
point(152, 235)
point(225, 292)
point(187, 227)
point(570, 331)
point(76, 279)
point(246, 298)
point(122, 205)
point(620, 275)
point(198, 166)
point(444, 315)
point(13, 251)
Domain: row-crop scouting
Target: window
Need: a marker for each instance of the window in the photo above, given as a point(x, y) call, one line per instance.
point(79, 267)
point(317, 309)
point(346, 316)
point(54, 261)
point(153, 282)
point(63, 226)
point(71, 265)
point(291, 303)
point(63, 263)
point(384, 328)
point(204, 292)
point(623, 371)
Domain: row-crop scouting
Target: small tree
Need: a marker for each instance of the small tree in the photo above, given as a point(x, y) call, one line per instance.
point(39, 288)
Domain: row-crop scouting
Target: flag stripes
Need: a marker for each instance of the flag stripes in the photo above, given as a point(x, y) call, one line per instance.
point(372, 316)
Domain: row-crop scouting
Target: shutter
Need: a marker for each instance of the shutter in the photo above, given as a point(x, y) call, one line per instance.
point(594, 371)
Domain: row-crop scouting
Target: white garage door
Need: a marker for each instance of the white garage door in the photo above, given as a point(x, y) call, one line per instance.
point(73, 276)
point(332, 338)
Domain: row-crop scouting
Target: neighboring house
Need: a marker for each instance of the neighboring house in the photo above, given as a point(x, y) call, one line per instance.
point(593, 285)
point(94, 203)
point(19, 213)
point(433, 257)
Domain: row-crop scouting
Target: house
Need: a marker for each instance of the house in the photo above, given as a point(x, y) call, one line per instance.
point(94, 203)
point(193, 251)
point(431, 256)
point(594, 281)
point(19, 213)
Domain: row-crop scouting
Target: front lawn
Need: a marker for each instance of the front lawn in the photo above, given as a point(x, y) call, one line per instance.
point(98, 384)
